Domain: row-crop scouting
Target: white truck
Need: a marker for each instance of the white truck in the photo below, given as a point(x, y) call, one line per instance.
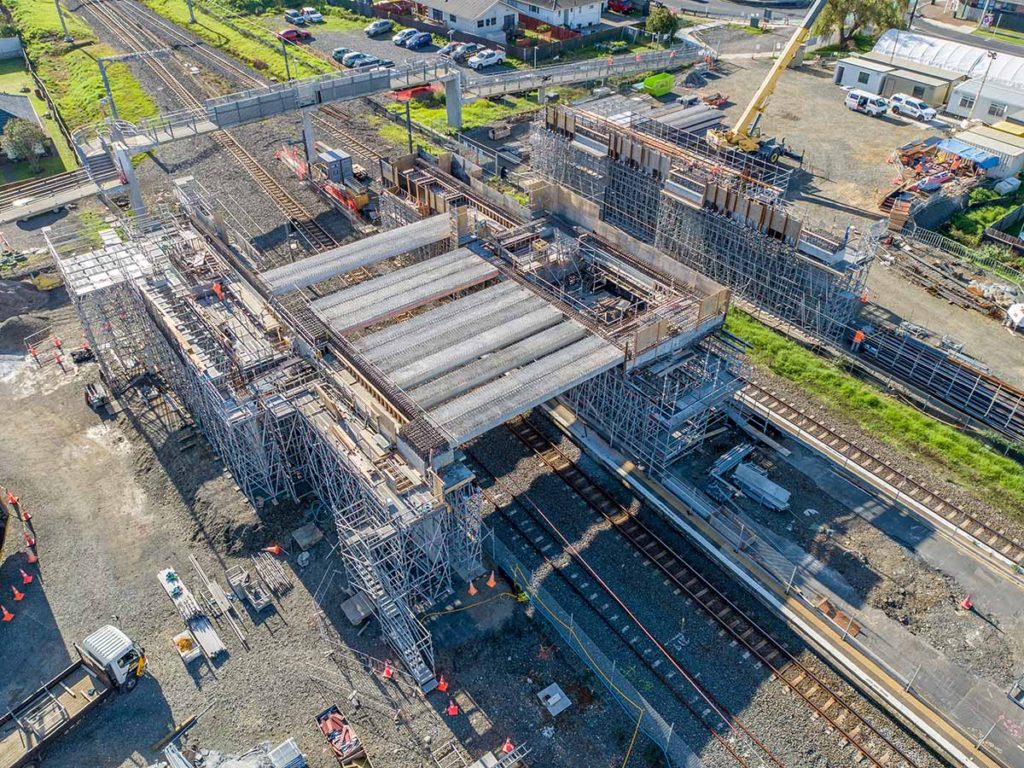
point(486, 58)
point(108, 660)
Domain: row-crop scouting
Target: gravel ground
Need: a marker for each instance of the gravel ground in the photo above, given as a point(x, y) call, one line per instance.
point(883, 573)
point(738, 683)
point(116, 500)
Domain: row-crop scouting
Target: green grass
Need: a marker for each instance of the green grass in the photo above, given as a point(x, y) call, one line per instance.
point(1006, 35)
point(263, 54)
point(969, 225)
point(963, 459)
point(395, 134)
point(431, 112)
point(14, 78)
point(749, 30)
point(70, 72)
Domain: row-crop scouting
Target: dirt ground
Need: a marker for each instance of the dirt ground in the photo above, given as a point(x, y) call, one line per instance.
point(844, 173)
point(116, 500)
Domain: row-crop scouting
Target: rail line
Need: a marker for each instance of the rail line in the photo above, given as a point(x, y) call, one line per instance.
point(315, 235)
point(872, 745)
point(905, 489)
point(508, 507)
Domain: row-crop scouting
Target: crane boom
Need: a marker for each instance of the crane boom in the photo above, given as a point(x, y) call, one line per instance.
point(744, 134)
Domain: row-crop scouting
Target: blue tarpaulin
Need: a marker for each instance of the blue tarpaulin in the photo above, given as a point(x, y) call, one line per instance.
point(979, 157)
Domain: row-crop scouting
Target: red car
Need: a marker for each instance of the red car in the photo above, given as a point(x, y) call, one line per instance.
point(621, 6)
point(294, 35)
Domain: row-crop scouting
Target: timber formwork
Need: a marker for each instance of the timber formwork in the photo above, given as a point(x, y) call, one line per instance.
point(724, 220)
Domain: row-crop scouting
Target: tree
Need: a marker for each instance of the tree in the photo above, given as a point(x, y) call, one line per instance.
point(850, 17)
point(662, 21)
point(20, 139)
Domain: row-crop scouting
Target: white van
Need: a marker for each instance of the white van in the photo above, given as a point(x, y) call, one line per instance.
point(868, 103)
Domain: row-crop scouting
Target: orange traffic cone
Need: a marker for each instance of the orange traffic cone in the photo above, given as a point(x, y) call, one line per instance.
point(32, 557)
point(12, 499)
point(18, 596)
point(453, 708)
point(491, 581)
point(442, 684)
point(25, 516)
point(472, 589)
point(5, 615)
point(507, 746)
point(388, 672)
point(25, 578)
point(966, 603)
point(30, 540)
point(274, 549)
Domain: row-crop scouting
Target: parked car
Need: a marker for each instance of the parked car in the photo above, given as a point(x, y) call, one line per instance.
point(294, 35)
point(350, 58)
point(448, 49)
point(404, 35)
point(901, 104)
point(293, 16)
point(366, 60)
point(868, 103)
point(419, 40)
point(621, 6)
point(340, 53)
point(486, 58)
point(386, 63)
point(378, 27)
point(313, 16)
point(465, 50)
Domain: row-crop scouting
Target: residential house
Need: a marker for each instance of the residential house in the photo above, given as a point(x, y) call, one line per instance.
point(14, 105)
point(571, 14)
point(483, 18)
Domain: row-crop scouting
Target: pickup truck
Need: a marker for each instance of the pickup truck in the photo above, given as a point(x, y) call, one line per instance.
point(486, 58)
point(107, 661)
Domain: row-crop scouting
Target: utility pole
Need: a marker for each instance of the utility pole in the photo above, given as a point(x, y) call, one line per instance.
point(191, 12)
point(102, 61)
point(408, 124)
point(63, 24)
point(284, 52)
point(977, 96)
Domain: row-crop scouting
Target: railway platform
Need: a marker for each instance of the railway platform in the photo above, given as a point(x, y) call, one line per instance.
point(970, 719)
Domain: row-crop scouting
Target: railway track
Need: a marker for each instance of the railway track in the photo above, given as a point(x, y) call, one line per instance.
point(905, 487)
point(129, 29)
point(537, 534)
point(873, 746)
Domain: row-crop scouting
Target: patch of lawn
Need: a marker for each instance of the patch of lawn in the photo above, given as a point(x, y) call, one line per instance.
point(969, 462)
point(1006, 35)
point(861, 44)
point(395, 134)
point(70, 71)
point(969, 225)
point(260, 49)
point(431, 112)
point(14, 78)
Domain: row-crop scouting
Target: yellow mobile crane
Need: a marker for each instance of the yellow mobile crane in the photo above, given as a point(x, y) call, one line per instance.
point(745, 135)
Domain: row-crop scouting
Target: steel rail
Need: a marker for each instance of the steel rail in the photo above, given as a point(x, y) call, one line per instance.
point(823, 700)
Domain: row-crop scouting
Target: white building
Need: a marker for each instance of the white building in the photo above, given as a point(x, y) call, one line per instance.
point(483, 18)
point(993, 103)
point(573, 14)
point(862, 74)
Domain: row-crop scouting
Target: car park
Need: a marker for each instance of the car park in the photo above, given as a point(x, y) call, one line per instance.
point(404, 35)
point(293, 16)
point(340, 53)
point(419, 40)
point(312, 15)
point(868, 103)
point(294, 35)
point(466, 50)
point(379, 27)
point(486, 58)
point(902, 104)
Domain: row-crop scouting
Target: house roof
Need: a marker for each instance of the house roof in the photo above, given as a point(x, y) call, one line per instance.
point(917, 77)
point(957, 57)
point(899, 62)
point(872, 66)
point(995, 146)
point(19, 106)
point(554, 5)
point(469, 9)
point(1012, 96)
